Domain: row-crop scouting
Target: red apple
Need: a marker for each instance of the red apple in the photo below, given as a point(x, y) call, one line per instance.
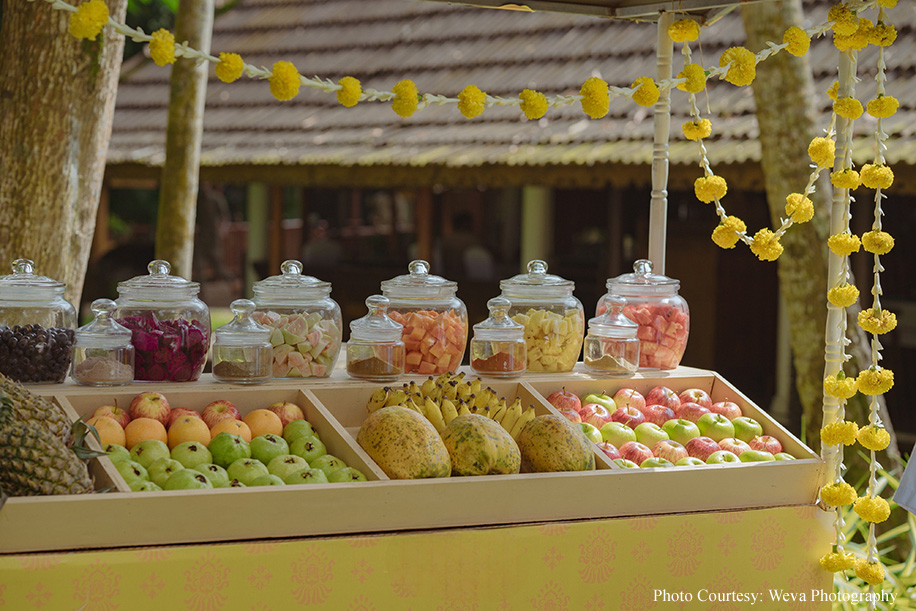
point(610, 450)
point(671, 451)
point(734, 445)
point(766, 444)
point(181, 412)
point(631, 397)
point(691, 411)
point(662, 395)
point(629, 416)
point(114, 412)
point(564, 399)
point(220, 410)
point(658, 414)
point(150, 405)
point(570, 414)
point(286, 411)
point(726, 408)
point(595, 414)
point(702, 447)
point(635, 451)
point(696, 395)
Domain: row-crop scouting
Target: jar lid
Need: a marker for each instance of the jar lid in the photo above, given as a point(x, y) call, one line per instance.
point(613, 323)
point(291, 284)
point(642, 277)
point(419, 283)
point(103, 331)
point(499, 326)
point(536, 282)
point(24, 285)
point(242, 330)
point(158, 284)
point(376, 326)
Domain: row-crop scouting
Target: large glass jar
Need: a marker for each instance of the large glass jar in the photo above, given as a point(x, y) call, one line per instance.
point(36, 326)
point(241, 348)
point(170, 326)
point(663, 317)
point(375, 351)
point(435, 321)
point(554, 320)
point(305, 322)
point(102, 352)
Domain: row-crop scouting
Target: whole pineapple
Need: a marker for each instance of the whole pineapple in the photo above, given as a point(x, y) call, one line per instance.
point(37, 411)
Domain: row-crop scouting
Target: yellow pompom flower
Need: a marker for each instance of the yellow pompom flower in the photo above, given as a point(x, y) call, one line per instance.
point(162, 47)
point(843, 296)
point(838, 494)
point(797, 41)
point(875, 381)
point(840, 386)
point(848, 108)
point(799, 208)
point(284, 81)
point(834, 562)
point(872, 509)
point(88, 20)
point(834, 90)
point(876, 176)
point(845, 179)
point(877, 242)
point(697, 130)
point(684, 30)
point(647, 94)
point(596, 100)
point(534, 104)
point(351, 90)
point(844, 20)
point(882, 35)
point(882, 107)
point(727, 233)
point(858, 40)
point(696, 78)
point(840, 432)
point(874, 438)
point(871, 573)
point(743, 68)
point(472, 101)
point(843, 244)
point(230, 67)
point(822, 151)
point(766, 245)
point(887, 3)
point(710, 188)
point(406, 98)
point(877, 323)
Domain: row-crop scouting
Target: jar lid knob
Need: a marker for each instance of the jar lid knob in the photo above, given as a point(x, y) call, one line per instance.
point(615, 303)
point(102, 308)
point(537, 266)
point(418, 267)
point(241, 306)
point(291, 267)
point(643, 267)
point(499, 307)
point(378, 304)
point(159, 267)
point(23, 266)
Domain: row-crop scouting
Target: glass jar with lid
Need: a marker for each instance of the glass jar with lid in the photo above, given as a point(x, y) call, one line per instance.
point(102, 352)
point(498, 348)
point(304, 322)
point(241, 348)
point(662, 314)
point(170, 326)
point(553, 318)
point(434, 320)
point(375, 350)
point(611, 346)
point(36, 326)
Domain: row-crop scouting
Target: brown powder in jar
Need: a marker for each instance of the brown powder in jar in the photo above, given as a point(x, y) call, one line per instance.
point(373, 366)
point(240, 370)
point(103, 369)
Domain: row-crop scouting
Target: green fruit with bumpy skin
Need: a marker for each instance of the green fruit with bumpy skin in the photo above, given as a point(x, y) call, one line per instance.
point(162, 469)
point(478, 445)
point(298, 429)
point(149, 451)
point(131, 471)
point(268, 480)
point(117, 453)
point(267, 447)
point(348, 474)
point(404, 444)
point(216, 474)
point(191, 453)
point(227, 448)
point(187, 479)
point(286, 465)
point(246, 470)
point(144, 486)
point(328, 464)
point(552, 443)
point(307, 476)
point(308, 448)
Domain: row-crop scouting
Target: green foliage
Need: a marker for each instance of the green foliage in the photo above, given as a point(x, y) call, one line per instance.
point(149, 15)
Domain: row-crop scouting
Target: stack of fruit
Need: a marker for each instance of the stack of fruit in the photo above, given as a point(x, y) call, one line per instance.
point(665, 428)
point(157, 447)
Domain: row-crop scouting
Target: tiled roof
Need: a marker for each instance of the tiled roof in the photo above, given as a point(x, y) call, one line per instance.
point(445, 47)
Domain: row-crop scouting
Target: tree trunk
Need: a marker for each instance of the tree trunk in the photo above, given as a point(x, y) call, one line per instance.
point(57, 98)
point(178, 192)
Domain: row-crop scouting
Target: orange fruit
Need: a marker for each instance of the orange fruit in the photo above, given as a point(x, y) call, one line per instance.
point(109, 429)
point(188, 428)
point(262, 422)
point(141, 429)
point(231, 425)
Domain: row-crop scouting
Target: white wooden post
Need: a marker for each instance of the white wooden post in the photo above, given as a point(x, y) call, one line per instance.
point(658, 208)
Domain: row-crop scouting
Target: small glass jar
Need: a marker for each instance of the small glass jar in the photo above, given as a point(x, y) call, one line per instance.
point(663, 317)
point(102, 352)
point(375, 350)
point(498, 349)
point(611, 346)
point(36, 326)
point(305, 323)
point(241, 348)
point(554, 320)
point(170, 326)
point(434, 320)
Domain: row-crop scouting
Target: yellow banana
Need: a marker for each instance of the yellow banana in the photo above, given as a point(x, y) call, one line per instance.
point(463, 390)
point(525, 418)
point(428, 387)
point(463, 409)
point(450, 390)
point(481, 400)
point(444, 379)
point(472, 407)
point(484, 411)
point(512, 415)
point(449, 411)
point(396, 397)
point(436, 394)
point(494, 402)
point(411, 405)
point(412, 388)
point(458, 377)
point(434, 414)
point(475, 386)
point(377, 399)
point(499, 412)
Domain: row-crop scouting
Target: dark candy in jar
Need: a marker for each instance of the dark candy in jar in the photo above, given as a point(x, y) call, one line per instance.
point(32, 353)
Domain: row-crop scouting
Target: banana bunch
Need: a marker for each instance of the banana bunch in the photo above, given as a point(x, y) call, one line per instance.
point(441, 400)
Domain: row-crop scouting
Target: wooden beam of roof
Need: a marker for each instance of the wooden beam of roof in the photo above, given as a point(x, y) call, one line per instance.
point(615, 9)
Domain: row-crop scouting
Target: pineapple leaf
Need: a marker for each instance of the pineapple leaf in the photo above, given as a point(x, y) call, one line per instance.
point(84, 453)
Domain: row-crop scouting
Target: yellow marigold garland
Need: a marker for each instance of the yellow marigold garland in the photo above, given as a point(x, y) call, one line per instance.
point(875, 381)
point(848, 108)
point(843, 244)
point(472, 101)
point(871, 573)
point(162, 47)
point(799, 208)
point(743, 69)
point(684, 30)
point(647, 94)
point(845, 179)
point(351, 90)
point(882, 107)
point(822, 151)
point(843, 295)
point(710, 188)
point(834, 562)
point(840, 432)
point(875, 438)
point(877, 323)
point(696, 78)
point(88, 20)
point(858, 40)
point(838, 494)
point(534, 104)
point(844, 21)
point(882, 35)
point(230, 67)
point(284, 81)
point(872, 509)
point(833, 90)
point(877, 242)
point(596, 100)
point(876, 176)
point(766, 245)
point(797, 41)
point(726, 233)
point(697, 130)
point(406, 98)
